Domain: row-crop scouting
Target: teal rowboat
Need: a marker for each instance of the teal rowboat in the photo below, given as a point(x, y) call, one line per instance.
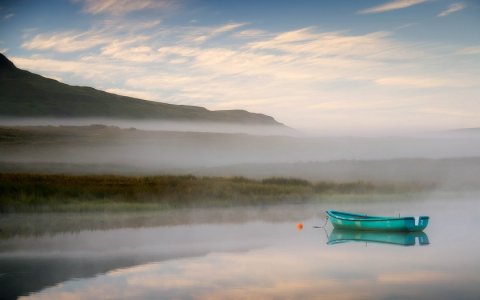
point(344, 220)
point(340, 236)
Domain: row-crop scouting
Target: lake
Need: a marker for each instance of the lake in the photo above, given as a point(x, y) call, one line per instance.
point(244, 253)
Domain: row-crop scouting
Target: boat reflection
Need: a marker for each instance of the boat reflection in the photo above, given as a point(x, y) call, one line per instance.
point(338, 236)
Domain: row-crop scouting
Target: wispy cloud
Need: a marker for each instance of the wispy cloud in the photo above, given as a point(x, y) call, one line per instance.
point(258, 70)
point(8, 16)
point(66, 41)
point(470, 50)
point(122, 7)
point(451, 9)
point(133, 93)
point(251, 33)
point(422, 82)
point(109, 33)
point(208, 33)
point(95, 70)
point(393, 5)
point(307, 40)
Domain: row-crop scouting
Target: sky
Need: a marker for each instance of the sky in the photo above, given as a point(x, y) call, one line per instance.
point(327, 66)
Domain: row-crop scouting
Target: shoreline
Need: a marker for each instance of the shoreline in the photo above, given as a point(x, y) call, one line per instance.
point(40, 193)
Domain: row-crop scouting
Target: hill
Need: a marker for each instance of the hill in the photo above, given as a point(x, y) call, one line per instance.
point(475, 130)
point(28, 95)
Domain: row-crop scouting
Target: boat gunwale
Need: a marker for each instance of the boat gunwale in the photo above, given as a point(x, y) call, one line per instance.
point(366, 218)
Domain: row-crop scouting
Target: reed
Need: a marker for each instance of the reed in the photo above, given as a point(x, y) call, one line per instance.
point(20, 192)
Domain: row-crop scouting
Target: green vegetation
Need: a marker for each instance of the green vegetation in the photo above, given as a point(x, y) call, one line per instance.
point(25, 94)
point(47, 193)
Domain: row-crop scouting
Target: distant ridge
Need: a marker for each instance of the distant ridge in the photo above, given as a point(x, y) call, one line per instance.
point(27, 95)
point(471, 132)
point(467, 130)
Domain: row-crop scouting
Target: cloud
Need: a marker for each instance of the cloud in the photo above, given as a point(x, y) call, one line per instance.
point(161, 80)
point(108, 33)
point(133, 93)
point(251, 33)
point(307, 40)
point(422, 82)
point(8, 16)
point(470, 50)
point(413, 277)
point(207, 33)
point(71, 41)
point(93, 70)
point(393, 5)
point(122, 7)
point(227, 27)
point(299, 76)
point(126, 50)
point(451, 9)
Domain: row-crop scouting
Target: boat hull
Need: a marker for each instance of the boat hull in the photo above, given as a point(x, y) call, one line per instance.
point(349, 221)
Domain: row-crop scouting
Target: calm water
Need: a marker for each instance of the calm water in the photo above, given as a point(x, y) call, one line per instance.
point(250, 253)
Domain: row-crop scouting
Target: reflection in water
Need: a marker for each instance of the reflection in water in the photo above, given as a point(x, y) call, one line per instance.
point(15, 225)
point(29, 264)
point(338, 236)
point(256, 259)
point(280, 272)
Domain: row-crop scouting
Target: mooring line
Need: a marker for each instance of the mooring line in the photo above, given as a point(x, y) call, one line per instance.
point(323, 226)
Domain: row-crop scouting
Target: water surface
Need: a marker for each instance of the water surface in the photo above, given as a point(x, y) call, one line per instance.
point(255, 253)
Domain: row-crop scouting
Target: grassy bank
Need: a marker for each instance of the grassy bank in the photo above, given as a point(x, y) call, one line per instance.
point(40, 192)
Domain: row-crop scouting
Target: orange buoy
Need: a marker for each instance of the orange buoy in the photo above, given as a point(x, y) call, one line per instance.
point(299, 226)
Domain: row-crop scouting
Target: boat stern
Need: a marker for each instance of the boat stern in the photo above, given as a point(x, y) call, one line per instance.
point(417, 223)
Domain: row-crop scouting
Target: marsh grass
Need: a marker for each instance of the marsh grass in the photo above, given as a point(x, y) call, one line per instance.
point(78, 193)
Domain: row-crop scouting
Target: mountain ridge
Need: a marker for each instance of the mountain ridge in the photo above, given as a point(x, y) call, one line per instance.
point(29, 95)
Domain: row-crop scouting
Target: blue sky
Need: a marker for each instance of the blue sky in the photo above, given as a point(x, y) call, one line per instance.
point(329, 66)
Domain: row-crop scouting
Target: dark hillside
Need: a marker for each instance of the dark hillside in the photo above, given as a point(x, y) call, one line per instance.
point(28, 95)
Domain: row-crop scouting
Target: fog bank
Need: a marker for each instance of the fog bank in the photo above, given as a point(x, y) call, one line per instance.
point(104, 149)
point(155, 125)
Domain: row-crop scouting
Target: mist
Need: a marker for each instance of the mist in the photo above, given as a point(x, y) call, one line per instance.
point(155, 125)
point(207, 149)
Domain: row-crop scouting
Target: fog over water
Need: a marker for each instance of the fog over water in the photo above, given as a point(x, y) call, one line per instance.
point(259, 253)
point(227, 150)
